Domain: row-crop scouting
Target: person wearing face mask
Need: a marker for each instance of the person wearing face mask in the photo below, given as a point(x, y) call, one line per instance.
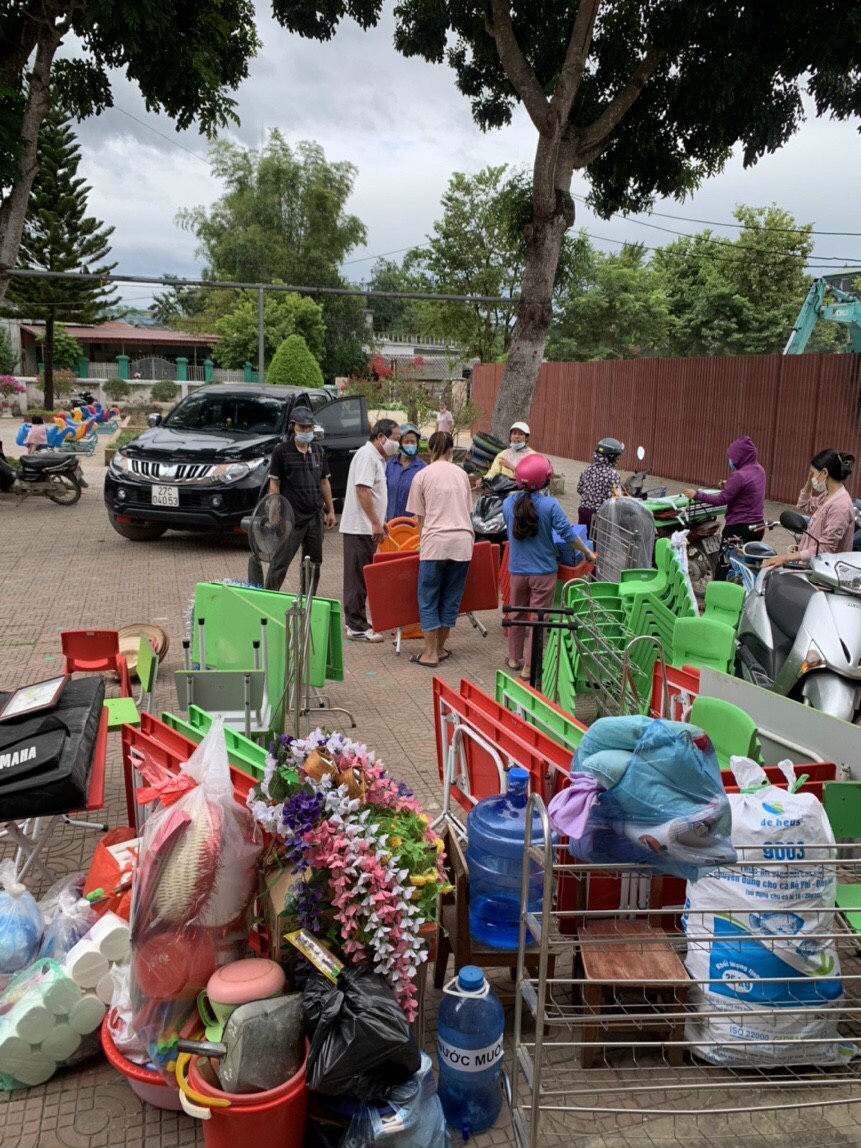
point(401, 470)
point(300, 472)
point(743, 495)
point(518, 448)
point(363, 523)
point(828, 502)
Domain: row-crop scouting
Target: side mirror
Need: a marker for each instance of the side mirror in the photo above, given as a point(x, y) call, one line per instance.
point(793, 521)
point(641, 453)
point(153, 420)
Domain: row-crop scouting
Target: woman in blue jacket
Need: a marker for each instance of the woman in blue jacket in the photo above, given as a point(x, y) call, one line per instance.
point(531, 518)
point(401, 470)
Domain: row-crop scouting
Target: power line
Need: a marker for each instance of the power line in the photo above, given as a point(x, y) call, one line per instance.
point(175, 143)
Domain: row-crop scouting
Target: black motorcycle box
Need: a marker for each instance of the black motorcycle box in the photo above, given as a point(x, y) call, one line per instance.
point(46, 759)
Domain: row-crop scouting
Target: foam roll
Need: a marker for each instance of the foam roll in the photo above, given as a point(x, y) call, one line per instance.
point(14, 1051)
point(33, 1022)
point(105, 989)
point(87, 1014)
point(61, 1042)
point(110, 935)
point(85, 964)
point(36, 1069)
point(61, 996)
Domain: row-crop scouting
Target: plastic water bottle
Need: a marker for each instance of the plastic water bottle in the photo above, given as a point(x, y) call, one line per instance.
point(496, 829)
point(469, 1045)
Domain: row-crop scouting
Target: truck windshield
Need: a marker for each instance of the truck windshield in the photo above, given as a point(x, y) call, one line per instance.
point(244, 414)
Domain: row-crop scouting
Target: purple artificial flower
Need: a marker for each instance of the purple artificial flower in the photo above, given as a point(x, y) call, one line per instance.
point(301, 812)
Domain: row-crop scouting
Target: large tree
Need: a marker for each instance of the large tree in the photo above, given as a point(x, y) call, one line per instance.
point(646, 97)
point(59, 235)
point(184, 56)
point(284, 313)
point(283, 216)
point(736, 296)
point(614, 309)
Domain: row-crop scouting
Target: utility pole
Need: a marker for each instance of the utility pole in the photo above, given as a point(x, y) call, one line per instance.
point(260, 355)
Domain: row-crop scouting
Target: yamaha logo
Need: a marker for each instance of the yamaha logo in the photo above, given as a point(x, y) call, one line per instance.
point(7, 760)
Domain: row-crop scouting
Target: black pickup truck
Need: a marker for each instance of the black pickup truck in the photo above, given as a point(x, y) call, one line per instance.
point(207, 463)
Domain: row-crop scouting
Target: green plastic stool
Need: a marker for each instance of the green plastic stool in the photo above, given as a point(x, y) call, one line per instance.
point(724, 601)
point(733, 733)
point(703, 643)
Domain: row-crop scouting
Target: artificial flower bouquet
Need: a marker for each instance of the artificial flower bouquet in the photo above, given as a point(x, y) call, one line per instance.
point(368, 868)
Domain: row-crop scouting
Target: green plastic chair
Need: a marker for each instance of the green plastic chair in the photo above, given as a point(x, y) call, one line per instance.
point(733, 733)
point(633, 583)
point(126, 711)
point(724, 602)
point(842, 802)
point(703, 643)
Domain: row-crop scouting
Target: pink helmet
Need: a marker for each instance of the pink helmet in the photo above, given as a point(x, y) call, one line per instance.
point(533, 472)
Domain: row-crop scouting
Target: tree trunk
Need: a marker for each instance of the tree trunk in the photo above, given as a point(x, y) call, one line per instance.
point(13, 209)
point(534, 315)
point(48, 377)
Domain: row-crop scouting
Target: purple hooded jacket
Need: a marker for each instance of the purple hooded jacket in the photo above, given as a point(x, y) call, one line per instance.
point(744, 493)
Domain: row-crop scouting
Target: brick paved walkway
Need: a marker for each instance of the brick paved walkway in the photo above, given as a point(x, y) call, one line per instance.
point(64, 567)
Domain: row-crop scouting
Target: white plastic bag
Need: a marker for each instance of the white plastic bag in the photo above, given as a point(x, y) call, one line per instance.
point(758, 933)
point(73, 919)
point(21, 922)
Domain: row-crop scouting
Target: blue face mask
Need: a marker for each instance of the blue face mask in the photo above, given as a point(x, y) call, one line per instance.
point(409, 449)
point(305, 436)
point(730, 464)
point(517, 445)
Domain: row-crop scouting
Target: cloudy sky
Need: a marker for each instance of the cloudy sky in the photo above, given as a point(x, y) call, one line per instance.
point(405, 127)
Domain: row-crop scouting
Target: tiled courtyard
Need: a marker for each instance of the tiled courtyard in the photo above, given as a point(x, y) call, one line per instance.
point(65, 567)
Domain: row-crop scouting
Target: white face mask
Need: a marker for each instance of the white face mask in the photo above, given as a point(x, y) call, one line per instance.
point(818, 486)
point(391, 446)
point(517, 445)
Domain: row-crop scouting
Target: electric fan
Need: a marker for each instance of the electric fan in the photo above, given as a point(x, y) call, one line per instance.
point(268, 529)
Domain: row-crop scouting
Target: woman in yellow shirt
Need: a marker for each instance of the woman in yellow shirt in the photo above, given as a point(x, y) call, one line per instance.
point(518, 448)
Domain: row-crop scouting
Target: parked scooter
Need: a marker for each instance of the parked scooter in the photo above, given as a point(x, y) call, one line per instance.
point(51, 475)
point(800, 630)
point(633, 486)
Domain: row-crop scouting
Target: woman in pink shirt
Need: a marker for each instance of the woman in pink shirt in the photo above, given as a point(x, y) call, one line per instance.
point(441, 499)
point(827, 501)
point(37, 435)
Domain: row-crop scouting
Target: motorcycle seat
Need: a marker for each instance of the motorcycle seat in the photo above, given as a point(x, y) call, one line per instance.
point(786, 598)
point(45, 460)
point(757, 551)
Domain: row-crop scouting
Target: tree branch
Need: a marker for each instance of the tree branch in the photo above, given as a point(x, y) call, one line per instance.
point(600, 129)
point(575, 58)
point(515, 65)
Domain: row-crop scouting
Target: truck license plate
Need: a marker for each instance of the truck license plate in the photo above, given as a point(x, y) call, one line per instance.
point(165, 496)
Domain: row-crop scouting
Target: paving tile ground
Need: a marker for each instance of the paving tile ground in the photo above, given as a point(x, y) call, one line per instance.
point(65, 567)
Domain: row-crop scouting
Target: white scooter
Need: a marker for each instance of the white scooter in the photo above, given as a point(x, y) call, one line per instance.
point(800, 630)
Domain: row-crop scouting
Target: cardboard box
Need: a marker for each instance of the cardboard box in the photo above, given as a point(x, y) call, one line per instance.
point(274, 886)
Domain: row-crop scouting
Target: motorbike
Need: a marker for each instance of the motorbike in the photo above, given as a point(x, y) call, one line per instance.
point(800, 630)
point(51, 475)
point(487, 519)
point(634, 484)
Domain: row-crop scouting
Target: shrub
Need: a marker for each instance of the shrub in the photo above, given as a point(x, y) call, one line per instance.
point(10, 386)
point(164, 391)
point(293, 365)
point(117, 389)
point(65, 382)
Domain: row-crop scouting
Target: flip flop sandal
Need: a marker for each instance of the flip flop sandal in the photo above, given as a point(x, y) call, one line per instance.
point(416, 661)
point(445, 657)
point(509, 665)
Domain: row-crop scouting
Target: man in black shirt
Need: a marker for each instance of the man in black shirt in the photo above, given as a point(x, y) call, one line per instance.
point(300, 473)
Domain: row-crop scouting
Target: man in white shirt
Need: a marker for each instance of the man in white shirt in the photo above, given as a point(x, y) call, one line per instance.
point(444, 419)
point(363, 522)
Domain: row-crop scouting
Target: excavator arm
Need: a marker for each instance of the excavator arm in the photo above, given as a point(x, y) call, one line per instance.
point(846, 310)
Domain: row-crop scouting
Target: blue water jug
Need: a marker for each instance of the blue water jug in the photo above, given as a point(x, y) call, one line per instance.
point(496, 829)
point(469, 1047)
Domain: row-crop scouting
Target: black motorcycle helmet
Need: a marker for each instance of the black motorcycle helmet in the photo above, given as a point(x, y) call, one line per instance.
point(610, 448)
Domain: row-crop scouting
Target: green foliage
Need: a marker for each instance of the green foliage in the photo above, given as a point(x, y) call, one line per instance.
point(617, 311)
point(8, 359)
point(164, 391)
point(741, 296)
point(117, 389)
point(67, 349)
point(294, 366)
point(63, 383)
point(396, 316)
point(284, 313)
point(60, 236)
point(282, 218)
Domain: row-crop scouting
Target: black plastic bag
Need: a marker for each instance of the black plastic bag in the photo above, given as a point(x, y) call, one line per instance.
point(361, 1044)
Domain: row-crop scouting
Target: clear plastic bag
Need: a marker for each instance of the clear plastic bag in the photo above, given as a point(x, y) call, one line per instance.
point(196, 878)
point(125, 1039)
point(412, 1117)
point(72, 884)
point(73, 919)
point(21, 922)
point(43, 1025)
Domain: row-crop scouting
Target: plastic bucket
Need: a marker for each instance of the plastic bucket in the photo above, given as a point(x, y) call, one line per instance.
point(145, 1083)
point(272, 1119)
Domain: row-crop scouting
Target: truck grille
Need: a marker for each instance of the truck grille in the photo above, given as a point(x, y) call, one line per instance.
point(172, 472)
